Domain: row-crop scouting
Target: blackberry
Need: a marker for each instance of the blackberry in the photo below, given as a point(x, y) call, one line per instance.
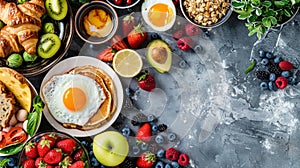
point(162, 127)
point(138, 119)
point(128, 164)
point(273, 68)
point(262, 75)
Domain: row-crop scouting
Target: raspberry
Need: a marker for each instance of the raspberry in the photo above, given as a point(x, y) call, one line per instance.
point(263, 75)
point(172, 154)
point(273, 68)
point(178, 34)
point(162, 127)
point(281, 82)
point(285, 65)
point(183, 159)
point(191, 29)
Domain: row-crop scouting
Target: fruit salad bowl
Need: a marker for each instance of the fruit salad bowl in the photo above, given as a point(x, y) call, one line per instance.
point(53, 148)
point(123, 4)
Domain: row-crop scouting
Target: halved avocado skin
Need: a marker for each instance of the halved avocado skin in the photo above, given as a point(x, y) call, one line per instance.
point(162, 68)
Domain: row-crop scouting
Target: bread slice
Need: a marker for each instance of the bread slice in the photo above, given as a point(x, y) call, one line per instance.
point(18, 85)
point(108, 106)
point(7, 104)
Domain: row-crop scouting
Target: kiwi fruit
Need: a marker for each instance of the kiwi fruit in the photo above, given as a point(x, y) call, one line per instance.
point(56, 9)
point(48, 45)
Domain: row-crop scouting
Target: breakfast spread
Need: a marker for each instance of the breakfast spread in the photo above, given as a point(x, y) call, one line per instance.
point(83, 98)
point(98, 23)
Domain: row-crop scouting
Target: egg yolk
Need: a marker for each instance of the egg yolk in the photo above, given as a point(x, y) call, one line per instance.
point(74, 99)
point(160, 14)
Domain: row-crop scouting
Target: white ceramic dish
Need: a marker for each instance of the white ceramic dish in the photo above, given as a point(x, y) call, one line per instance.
point(69, 64)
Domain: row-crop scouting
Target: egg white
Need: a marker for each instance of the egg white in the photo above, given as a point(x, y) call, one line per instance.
point(146, 6)
point(54, 90)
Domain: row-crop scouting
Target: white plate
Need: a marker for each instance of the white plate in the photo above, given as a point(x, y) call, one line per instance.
point(69, 64)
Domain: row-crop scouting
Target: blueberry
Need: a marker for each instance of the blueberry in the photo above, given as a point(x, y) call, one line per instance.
point(168, 166)
point(144, 146)
point(159, 139)
point(264, 61)
point(172, 137)
point(15, 166)
point(102, 166)
point(175, 164)
point(292, 80)
point(126, 131)
point(95, 162)
point(150, 118)
point(91, 153)
point(272, 77)
point(154, 128)
point(84, 143)
point(262, 53)
point(91, 145)
point(264, 86)
point(269, 55)
point(159, 164)
point(136, 150)
point(277, 60)
point(272, 86)
point(160, 153)
point(286, 74)
point(154, 36)
point(11, 162)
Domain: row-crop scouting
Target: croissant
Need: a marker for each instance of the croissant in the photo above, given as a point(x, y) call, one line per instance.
point(22, 21)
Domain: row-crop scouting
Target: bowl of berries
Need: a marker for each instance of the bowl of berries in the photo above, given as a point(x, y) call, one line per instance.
point(51, 149)
point(123, 4)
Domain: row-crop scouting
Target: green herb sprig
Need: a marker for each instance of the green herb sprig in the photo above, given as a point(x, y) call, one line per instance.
point(264, 14)
point(34, 116)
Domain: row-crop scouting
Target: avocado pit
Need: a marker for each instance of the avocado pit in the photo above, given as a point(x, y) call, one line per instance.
point(159, 54)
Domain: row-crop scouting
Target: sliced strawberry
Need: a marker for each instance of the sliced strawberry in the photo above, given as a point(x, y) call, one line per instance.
point(107, 55)
point(118, 43)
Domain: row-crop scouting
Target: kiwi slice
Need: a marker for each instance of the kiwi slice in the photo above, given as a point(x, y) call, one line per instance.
point(48, 45)
point(56, 9)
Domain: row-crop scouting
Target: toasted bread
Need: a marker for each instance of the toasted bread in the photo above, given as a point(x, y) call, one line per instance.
point(18, 85)
point(7, 104)
point(108, 106)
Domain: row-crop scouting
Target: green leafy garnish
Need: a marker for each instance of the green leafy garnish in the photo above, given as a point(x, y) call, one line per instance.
point(12, 149)
point(250, 67)
point(3, 162)
point(262, 15)
point(34, 116)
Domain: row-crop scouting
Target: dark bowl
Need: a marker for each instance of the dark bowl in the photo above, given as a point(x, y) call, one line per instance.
point(123, 5)
point(84, 10)
point(22, 157)
point(218, 23)
point(65, 32)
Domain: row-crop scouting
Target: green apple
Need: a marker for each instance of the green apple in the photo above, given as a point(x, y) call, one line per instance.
point(110, 148)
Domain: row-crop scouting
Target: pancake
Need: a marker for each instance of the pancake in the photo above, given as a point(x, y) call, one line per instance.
point(108, 106)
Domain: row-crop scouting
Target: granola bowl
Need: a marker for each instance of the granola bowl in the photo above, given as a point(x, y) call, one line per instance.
point(206, 14)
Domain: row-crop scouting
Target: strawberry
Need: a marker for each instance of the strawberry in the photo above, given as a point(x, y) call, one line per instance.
point(79, 155)
point(281, 82)
point(39, 162)
point(183, 159)
point(146, 82)
point(144, 133)
point(67, 145)
point(175, 2)
point(191, 29)
point(52, 137)
point(185, 43)
point(67, 161)
point(31, 150)
point(29, 163)
point(146, 160)
point(128, 24)
point(43, 147)
point(172, 154)
point(77, 164)
point(137, 36)
point(54, 156)
point(118, 43)
point(178, 34)
point(285, 65)
point(107, 55)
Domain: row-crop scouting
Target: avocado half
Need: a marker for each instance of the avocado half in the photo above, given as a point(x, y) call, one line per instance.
point(159, 55)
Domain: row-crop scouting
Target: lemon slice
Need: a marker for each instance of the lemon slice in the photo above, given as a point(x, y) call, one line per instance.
point(127, 63)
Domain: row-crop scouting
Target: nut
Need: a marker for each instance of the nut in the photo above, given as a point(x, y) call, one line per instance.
point(206, 12)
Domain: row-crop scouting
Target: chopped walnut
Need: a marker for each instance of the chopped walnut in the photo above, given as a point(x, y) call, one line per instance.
point(206, 12)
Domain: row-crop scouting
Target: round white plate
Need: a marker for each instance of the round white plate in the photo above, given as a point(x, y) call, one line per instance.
point(69, 64)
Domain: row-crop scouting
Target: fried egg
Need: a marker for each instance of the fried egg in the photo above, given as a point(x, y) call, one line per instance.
point(72, 98)
point(158, 14)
